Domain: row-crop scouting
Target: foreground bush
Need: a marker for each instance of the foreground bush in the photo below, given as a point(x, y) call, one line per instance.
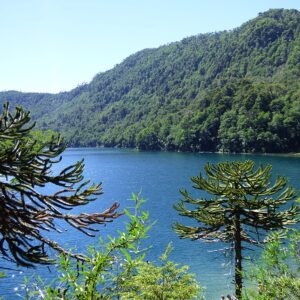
point(117, 270)
point(167, 281)
point(277, 274)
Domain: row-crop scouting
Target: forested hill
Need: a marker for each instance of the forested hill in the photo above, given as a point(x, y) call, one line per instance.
point(235, 91)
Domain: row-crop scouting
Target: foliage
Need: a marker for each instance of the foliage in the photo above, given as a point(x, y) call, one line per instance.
point(245, 205)
point(234, 91)
point(277, 274)
point(26, 160)
point(167, 281)
point(116, 270)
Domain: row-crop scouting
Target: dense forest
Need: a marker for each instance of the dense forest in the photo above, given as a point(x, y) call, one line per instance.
point(236, 91)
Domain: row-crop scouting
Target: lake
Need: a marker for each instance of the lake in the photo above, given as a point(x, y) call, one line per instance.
point(158, 176)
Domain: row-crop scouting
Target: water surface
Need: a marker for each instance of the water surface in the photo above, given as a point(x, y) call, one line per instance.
point(158, 176)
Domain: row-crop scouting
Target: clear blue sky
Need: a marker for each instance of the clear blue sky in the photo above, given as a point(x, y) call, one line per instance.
point(54, 45)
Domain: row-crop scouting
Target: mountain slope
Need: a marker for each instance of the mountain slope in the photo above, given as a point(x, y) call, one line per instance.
point(232, 91)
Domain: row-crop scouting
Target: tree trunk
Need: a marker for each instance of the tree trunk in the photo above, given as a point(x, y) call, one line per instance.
point(238, 256)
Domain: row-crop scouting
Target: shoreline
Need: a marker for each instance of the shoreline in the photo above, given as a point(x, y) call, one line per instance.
point(289, 154)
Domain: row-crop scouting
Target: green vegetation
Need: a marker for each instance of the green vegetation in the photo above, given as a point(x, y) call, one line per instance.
point(234, 91)
point(167, 281)
point(276, 275)
point(117, 270)
point(26, 160)
point(245, 206)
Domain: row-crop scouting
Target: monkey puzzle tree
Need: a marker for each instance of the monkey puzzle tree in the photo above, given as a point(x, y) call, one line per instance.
point(245, 205)
point(25, 212)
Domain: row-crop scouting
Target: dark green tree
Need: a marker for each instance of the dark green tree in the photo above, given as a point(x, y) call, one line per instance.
point(26, 161)
point(245, 205)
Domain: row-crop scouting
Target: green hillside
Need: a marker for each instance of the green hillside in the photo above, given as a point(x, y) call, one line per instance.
point(236, 91)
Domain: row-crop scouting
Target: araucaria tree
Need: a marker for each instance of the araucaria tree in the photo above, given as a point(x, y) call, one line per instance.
point(245, 205)
point(26, 162)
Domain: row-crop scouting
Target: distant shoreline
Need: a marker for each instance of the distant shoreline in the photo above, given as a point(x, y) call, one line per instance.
point(290, 154)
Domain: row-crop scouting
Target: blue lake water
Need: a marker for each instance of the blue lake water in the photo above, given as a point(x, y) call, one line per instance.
point(158, 176)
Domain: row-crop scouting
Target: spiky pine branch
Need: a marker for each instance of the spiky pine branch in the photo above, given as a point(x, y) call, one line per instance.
point(25, 213)
point(244, 199)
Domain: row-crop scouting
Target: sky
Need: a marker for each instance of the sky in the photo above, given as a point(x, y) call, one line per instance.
point(56, 45)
